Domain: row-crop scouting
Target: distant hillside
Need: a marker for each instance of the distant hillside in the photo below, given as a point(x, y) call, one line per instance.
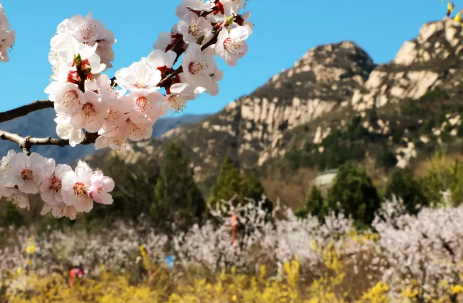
point(332, 106)
point(41, 124)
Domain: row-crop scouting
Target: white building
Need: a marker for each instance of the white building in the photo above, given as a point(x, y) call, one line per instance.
point(325, 179)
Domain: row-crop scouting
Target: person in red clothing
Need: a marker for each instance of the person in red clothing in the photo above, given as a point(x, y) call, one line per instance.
point(75, 273)
point(234, 219)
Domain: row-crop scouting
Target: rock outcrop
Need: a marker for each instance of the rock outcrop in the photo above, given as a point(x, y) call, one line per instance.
point(429, 61)
point(252, 128)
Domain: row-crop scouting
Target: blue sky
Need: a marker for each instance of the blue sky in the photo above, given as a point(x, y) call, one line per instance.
point(284, 31)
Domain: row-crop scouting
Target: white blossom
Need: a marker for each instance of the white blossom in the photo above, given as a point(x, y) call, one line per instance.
point(7, 36)
point(27, 172)
point(232, 45)
point(66, 131)
point(193, 28)
point(67, 97)
point(139, 76)
point(195, 6)
point(76, 186)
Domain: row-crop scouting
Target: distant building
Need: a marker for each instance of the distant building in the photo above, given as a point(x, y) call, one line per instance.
point(324, 180)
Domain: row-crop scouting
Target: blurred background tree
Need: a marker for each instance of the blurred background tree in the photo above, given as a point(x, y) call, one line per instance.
point(231, 182)
point(401, 184)
point(354, 194)
point(316, 205)
point(443, 174)
point(177, 198)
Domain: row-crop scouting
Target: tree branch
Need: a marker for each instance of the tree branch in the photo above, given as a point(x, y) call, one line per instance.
point(179, 70)
point(25, 143)
point(212, 41)
point(24, 110)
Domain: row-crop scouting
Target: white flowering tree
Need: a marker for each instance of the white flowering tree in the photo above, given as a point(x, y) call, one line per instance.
point(92, 108)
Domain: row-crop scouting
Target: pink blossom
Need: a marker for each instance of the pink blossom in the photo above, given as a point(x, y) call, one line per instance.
point(67, 97)
point(50, 190)
point(92, 114)
point(76, 188)
point(101, 186)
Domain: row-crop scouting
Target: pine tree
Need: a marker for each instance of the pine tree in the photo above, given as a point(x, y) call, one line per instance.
point(315, 205)
point(178, 199)
point(353, 193)
point(252, 188)
point(385, 158)
point(230, 183)
point(401, 184)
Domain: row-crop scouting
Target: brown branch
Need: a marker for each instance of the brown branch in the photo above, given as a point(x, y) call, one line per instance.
point(25, 143)
point(179, 70)
point(24, 110)
point(179, 49)
point(169, 77)
point(212, 41)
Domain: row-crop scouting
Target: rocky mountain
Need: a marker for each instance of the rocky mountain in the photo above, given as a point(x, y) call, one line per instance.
point(253, 128)
point(335, 104)
point(323, 80)
point(40, 124)
point(410, 103)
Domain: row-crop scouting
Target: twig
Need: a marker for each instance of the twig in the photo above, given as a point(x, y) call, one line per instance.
point(179, 69)
point(178, 49)
point(212, 41)
point(25, 143)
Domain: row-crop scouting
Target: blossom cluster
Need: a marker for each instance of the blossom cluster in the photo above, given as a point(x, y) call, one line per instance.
point(7, 36)
point(80, 51)
point(92, 108)
point(85, 99)
point(65, 192)
point(425, 249)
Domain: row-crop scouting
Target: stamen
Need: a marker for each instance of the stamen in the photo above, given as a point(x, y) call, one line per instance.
point(27, 174)
point(176, 103)
point(79, 189)
point(196, 67)
point(70, 97)
point(194, 30)
point(233, 45)
point(142, 103)
point(89, 111)
point(55, 184)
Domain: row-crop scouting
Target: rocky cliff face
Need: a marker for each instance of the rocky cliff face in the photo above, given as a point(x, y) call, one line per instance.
point(321, 94)
point(252, 128)
point(429, 61)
